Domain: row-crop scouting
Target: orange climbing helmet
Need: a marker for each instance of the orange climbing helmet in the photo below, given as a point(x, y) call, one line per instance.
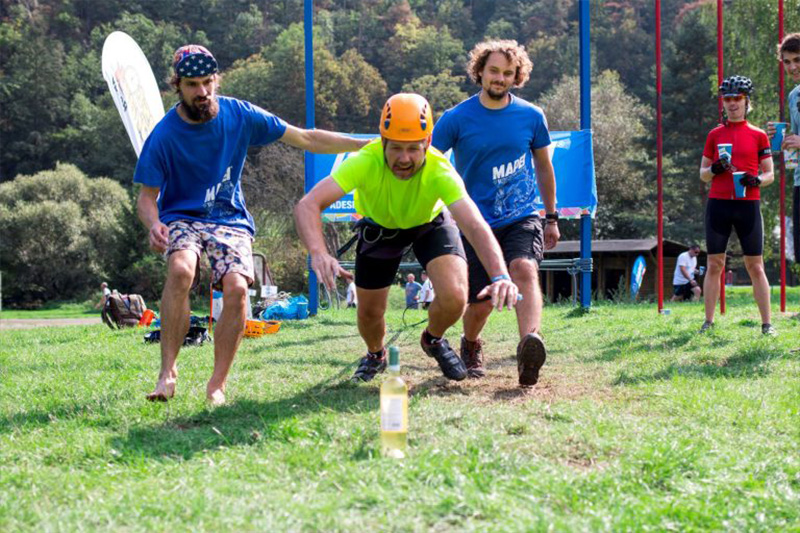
point(406, 117)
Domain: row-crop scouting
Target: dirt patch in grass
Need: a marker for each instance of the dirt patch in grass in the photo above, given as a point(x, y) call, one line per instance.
point(556, 383)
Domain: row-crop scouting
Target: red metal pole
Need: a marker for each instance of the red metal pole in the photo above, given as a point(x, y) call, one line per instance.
point(720, 72)
point(659, 153)
point(782, 169)
point(720, 65)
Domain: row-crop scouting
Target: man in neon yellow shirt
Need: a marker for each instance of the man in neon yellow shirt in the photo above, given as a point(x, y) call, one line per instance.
point(402, 186)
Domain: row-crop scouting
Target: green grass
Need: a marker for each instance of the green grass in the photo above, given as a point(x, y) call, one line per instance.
point(637, 424)
point(54, 310)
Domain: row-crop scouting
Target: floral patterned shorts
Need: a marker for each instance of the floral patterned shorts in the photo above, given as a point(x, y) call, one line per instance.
point(228, 249)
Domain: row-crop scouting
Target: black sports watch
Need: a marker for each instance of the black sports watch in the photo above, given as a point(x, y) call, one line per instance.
point(551, 218)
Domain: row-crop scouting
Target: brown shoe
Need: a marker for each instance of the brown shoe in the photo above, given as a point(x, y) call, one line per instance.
point(531, 355)
point(472, 354)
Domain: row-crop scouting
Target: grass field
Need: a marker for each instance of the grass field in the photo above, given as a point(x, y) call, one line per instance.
point(56, 310)
point(637, 424)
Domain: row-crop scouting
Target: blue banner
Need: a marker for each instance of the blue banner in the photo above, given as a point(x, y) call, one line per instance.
point(637, 275)
point(573, 161)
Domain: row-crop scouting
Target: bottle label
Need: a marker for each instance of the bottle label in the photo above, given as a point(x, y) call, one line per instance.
point(394, 413)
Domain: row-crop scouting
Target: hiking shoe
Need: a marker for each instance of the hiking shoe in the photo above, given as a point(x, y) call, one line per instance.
point(472, 355)
point(531, 355)
point(451, 364)
point(706, 326)
point(369, 367)
point(768, 329)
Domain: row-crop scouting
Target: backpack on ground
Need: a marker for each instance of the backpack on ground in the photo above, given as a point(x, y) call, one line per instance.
point(123, 310)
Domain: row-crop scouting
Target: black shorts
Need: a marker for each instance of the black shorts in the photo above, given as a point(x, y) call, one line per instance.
point(521, 239)
point(742, 215)
point(684, 291)
point(380, 250)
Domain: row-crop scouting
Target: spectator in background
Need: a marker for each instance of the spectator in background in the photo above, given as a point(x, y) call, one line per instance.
point(789, 56)
point(106, 292)
point(352, 297)
point(725, 212)
point(412, 292)
point(426, 295)
point(683, 280)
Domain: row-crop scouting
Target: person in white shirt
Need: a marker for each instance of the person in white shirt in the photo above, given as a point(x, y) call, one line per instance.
point(426, 295)
point(106, 293)
point(352, 297)
point(683, 282)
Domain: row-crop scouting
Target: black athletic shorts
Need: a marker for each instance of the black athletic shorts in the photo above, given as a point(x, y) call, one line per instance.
point(521, 239)
point(742, 215)
point(684, 291)
point(380, 250)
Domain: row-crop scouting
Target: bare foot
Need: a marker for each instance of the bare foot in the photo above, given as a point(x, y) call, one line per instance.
point(215, 398)
point(165, 389)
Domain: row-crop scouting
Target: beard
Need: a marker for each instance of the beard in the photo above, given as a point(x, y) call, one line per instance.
point(496, 93)
point(201, 109)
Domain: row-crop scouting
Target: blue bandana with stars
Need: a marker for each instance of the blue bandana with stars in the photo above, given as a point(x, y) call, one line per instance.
point(194, 61)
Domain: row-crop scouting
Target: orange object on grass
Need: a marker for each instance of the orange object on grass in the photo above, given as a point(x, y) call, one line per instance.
point(257, 328)
point(147, 317)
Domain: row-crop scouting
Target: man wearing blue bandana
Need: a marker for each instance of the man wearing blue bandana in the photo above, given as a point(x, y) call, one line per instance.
point(500, 143)
point(191, 202)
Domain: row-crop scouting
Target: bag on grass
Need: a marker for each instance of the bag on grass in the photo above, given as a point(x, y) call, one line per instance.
point(196, 336)
point(295, 308)
point(123, 310)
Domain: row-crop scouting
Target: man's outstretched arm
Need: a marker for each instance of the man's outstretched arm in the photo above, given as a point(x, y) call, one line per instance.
point(321, 141)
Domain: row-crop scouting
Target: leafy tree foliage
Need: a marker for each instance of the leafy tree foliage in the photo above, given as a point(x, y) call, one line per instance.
point(58, 227)
point(625, 207)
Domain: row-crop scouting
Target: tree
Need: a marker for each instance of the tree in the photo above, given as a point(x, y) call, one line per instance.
point(625, 208)
point(415, 50)
point(58, 229)
point(443, 91)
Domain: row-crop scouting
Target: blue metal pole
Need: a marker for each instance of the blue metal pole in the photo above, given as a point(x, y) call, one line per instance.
point(308, 25)
point(586, 123)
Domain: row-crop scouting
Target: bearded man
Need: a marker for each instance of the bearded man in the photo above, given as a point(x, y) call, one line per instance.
point(192, 204)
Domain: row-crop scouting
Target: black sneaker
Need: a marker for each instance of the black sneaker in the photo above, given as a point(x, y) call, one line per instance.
point(768, 329)
point(451, 364)
point(531, 355)
point(369, 367)
point(706, 326)
point(472, 354)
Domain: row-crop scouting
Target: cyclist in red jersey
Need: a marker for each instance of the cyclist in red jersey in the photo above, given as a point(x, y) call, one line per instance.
point(725, 211)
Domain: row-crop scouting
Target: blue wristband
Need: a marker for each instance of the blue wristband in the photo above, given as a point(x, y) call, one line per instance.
point(501, 276)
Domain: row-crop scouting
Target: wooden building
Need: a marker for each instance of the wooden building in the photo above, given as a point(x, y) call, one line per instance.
point(612, 265)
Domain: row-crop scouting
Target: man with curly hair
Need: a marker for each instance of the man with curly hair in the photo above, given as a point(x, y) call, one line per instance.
point(500, 142)
point(191, 203)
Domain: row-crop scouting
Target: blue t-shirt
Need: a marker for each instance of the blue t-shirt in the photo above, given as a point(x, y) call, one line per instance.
point(198, 167)
point(492, 150)
point(412, 289)
point(794, 113)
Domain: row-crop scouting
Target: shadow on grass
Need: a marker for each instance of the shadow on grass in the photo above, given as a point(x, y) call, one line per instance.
point(301, 342)
point(246, 422)
point(748, 362)
point(628, 345)
point(37, 417)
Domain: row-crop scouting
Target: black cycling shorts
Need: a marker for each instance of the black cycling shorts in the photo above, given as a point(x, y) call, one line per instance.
point(742, 215)
point(521, 239)
point(380, 250)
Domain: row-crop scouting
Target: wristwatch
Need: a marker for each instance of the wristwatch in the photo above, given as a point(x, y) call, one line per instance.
point(551, 218)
